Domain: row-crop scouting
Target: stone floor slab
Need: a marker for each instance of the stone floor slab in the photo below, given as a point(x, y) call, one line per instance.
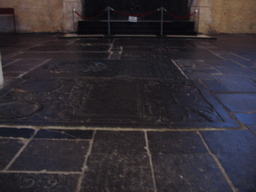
point(142, 56)
point(246, 118)
point(237, 83)
point(175, 143)
point(8, 61)
point(244, 62)
point(151, 41)
point(116, 102)
point(11, 74)
point(109, 142)
point(241, 169)
point(116, 172)
point(243, 102)
point(186, 172)
point(52, 155)
point(201, 76)
point(214, 86)
point(204, 71)
point(16, 133)
point(63, 134)
point(192, 64)
point(20, 182)
point(9, 148)
point(18, 67)
point(94, 41)
point(59, 55)
point(141, 88)
point(87, 48)
point(235, 141)
point(139, 49)
point(235, 69)
point(106, 68)
point(252, 128)
point(48, 48)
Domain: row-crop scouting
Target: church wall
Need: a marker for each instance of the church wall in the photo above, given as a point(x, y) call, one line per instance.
point(216, 16)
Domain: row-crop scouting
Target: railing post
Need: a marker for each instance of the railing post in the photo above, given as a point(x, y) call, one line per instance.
point(73, 18)
point(162, 20)
point(198, 19)
point(108, 20)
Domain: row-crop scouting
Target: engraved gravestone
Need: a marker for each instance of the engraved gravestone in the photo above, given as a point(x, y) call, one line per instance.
point(111, 93)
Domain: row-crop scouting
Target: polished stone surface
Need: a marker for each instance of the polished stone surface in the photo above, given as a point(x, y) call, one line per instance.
point(214, 86)
point(118, 172)
point(236, 152)
point(21, 182)
point(63, 134)
point(9, 148)
point(106, 68)
point(241, 169)
point(185, 172)
point(246, 118)
point(236, 141)
point(113, 102)
point(252, 128)
point(114, 117)
point(175, 143)
point(16, 133)
point(44, 155)
point(235, 83)
point(121, 142)
point(243, 102)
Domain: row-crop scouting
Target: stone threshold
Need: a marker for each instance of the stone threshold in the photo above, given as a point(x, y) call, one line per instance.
point(199, 36)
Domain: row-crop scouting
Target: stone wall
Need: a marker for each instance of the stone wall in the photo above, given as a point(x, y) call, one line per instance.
point(36, 15)
point(216, 16)
point(226, 16)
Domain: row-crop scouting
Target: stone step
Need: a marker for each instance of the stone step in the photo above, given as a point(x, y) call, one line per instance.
point(141, 27)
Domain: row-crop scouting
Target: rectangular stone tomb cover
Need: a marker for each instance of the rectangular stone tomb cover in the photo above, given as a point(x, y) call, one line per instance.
point(112, 102)
point(106, 68)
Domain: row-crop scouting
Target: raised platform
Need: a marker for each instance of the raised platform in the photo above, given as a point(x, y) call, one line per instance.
point(150, 27)
point(198, 36)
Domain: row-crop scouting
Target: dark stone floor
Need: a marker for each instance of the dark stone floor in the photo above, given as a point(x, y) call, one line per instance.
point(128, 114)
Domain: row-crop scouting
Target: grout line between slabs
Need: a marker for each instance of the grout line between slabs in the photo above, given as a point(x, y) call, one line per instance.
point(111, 47)
point(179, 69)
point(16, 60)
point(215, 53)
point(84, 168)
point(42, 172)
point(150, 161)
point(110, 54)
point(219, 164)
point(20, 151)
point(47, 60)
point(241, 57)
point(119, 129)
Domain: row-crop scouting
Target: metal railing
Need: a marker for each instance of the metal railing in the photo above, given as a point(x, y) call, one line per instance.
point(162, 9)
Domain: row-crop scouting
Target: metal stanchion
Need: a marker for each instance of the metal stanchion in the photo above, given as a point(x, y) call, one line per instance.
point(162, 20)
point(198, 19)
point(108, 20)
point(73, 15)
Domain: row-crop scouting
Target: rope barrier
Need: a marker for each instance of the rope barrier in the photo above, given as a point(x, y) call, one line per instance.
point(90, 18)
point(138, 15)
point(185, 17)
